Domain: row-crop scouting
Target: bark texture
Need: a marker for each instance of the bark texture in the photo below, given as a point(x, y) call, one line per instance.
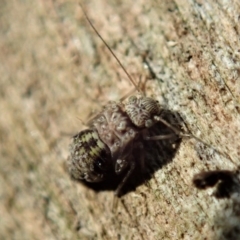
point(54, 70)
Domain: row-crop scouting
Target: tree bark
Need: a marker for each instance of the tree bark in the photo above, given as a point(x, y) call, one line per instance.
point(55, 71)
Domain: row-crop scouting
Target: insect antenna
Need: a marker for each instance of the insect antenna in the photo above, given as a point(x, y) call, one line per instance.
point(111, 51)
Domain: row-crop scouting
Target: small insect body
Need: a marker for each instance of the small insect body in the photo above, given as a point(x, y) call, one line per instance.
point(113, 135)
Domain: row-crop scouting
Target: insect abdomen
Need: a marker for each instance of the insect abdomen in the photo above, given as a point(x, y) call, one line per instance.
point(90, 157)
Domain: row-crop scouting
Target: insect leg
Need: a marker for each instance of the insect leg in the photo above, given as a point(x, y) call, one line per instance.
point(128, 174)
point(139, 84)
point(160, 137)
point(175, 130)
point(184, 135)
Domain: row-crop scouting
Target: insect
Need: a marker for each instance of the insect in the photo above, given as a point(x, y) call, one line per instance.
point(107, 145)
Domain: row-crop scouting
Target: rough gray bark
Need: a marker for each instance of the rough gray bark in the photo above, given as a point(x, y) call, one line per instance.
point(55, 70)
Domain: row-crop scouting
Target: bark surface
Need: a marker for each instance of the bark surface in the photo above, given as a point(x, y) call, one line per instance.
point(55, 70)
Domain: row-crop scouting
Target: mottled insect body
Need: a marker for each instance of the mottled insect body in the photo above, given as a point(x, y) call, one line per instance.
point(112, 136)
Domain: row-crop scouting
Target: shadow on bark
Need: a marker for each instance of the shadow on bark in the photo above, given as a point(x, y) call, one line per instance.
point(226, 185)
